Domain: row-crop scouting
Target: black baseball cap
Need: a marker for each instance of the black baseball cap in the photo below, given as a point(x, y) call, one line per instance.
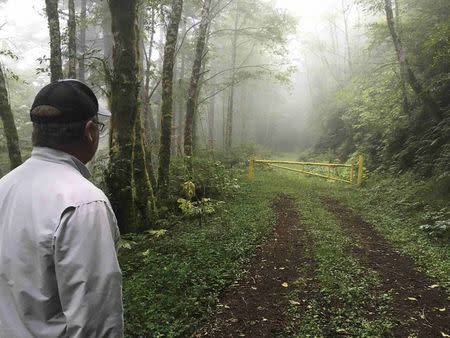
point(74, 99)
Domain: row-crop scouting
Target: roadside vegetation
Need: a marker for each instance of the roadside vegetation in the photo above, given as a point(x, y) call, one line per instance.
point(173, 276)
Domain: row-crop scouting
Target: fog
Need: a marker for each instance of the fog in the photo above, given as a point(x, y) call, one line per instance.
point(280, 115)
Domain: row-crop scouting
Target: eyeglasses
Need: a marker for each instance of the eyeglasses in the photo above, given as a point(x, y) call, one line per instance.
point(100, 126)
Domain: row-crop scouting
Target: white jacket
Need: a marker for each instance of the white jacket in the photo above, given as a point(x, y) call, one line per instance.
point(59, 274)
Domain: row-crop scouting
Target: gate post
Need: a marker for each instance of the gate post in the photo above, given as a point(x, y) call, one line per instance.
point(360, 169)
point(251, 167)
point(351, 172)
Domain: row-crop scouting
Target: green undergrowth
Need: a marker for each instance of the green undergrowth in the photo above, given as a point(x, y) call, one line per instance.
point(172, 277)
point(400, 208)
point(172, 280)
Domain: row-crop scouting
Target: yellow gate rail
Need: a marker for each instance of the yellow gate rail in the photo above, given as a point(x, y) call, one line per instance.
point(276, 164)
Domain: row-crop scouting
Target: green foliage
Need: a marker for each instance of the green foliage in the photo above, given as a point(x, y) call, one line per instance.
point(198, 209)
point(171, 283)
point(398, 206)
point(437, 223)
point(366, 113)
point(209, 176)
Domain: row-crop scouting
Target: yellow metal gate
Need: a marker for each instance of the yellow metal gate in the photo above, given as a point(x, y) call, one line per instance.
point(329, 174)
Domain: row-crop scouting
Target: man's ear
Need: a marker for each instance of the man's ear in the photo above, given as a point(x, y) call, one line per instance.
point(89, 131)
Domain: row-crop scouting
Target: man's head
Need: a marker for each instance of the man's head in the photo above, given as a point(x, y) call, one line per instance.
point(65, 117)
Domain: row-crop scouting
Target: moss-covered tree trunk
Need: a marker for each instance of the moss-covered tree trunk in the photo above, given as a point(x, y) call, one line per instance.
point(181, 94)
point(145, 199)
point(72, 46)
point(9, 127)
point(430, 104)
point(167, 99)
point(195, 77)
point(51, 7)
point(82, 42)
point(124, 107)
point(147, 114)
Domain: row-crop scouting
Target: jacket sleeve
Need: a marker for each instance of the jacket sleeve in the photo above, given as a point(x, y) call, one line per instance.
point(87, 271)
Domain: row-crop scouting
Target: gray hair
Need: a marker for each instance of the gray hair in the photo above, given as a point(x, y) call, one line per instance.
point(53, 135)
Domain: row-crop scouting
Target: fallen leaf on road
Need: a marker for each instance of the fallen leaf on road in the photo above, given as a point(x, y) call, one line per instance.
point(285, 285)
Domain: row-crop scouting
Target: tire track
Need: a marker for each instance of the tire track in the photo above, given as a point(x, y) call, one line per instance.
point(420, 307)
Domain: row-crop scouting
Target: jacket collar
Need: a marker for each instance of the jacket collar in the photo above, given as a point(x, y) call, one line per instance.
point(58, 156)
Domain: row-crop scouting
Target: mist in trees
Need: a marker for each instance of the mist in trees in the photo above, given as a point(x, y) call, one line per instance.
point(214, 78)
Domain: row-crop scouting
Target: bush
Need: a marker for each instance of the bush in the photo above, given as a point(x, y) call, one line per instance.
point(211, 178)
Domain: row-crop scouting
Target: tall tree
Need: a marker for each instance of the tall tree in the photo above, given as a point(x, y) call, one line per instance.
point(211, 113)
point(9, 126)
point(181, 93)
point(229, 120)
point(146, 111)
point(124, 107)
point(82, 44)
point(51, 7)
point(195, 77)
point(345, 14)
point(430, 104)
point(167, 99)
point(403, 71)
point(72, 41)
point(143, 177)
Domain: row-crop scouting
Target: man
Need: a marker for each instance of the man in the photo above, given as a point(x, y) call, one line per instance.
point(59, 274)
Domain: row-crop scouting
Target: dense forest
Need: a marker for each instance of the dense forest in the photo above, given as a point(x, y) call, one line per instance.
point(196, 87)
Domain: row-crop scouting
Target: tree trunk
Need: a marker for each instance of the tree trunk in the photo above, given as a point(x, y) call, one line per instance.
point(211, 111)
point(71, 25)
point(167, 99)
point(403, 71)
point(229, 121)
point(107, 36)
point(9, 126)
point(82, 42)
point(347, 39)
point(430, 104)
point(194, 83)
point(145, 199)
point(124, 107)
point(147, 115)
point(181, 96)
point(244, 116)
point(51, 7)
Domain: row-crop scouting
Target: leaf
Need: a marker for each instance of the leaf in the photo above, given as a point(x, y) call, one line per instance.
point(157, 233)
point(146, 253)
point(285, 285)
point(412, 298)
point(433, 286)
point(293, 302)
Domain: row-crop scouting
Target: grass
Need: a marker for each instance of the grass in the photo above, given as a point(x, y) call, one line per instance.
point(344, 297)
point(171, 283)
point(396, 208)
